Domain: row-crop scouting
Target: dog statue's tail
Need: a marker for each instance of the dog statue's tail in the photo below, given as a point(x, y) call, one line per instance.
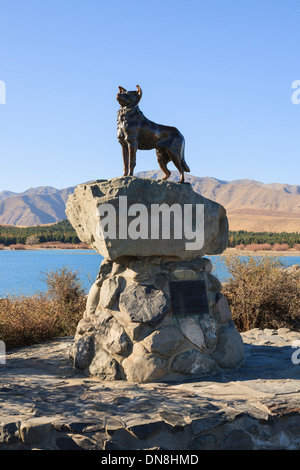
point(185, 167)
point(183, 162)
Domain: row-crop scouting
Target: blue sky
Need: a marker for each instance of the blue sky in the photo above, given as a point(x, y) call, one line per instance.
point(219, 70)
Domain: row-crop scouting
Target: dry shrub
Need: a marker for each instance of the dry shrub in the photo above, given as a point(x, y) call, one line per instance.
point(262, 293)
point(18, 246)
point(259, 247)
point(31, 320)
point(26, 320)
point(240, 247)
point(85, 246)
point(64, 246)
point(68, 298)
point(265, 246)
point(253, 247)
point(296, 246)
point(32, 240)
point(280, 247)
point(67, 246)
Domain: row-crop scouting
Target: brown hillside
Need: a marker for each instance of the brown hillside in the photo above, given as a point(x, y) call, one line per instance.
point(256, 220)
point(251, 205)
point(38, 207)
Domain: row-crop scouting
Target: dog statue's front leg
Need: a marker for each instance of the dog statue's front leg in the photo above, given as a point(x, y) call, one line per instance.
point(132, 158)
point(125, 159)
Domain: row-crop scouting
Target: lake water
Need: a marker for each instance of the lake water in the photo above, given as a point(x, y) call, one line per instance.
point(21, 272)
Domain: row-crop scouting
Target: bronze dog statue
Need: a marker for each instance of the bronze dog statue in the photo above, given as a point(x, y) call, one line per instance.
point(135, 132)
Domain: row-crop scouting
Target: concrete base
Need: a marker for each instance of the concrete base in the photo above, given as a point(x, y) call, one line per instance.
point(46, 404)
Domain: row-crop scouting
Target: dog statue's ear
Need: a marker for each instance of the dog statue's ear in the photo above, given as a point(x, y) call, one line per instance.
point(121, 89)
point(139, 90)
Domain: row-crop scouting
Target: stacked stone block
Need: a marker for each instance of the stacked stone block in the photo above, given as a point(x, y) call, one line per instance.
point(128, 330)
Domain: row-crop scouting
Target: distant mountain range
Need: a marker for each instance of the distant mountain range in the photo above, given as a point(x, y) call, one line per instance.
point(36, 206)
point(251, 205)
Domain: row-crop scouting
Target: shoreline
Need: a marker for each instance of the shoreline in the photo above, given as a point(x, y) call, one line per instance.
point(83, 246)
point(68, 246)
point(235, 251)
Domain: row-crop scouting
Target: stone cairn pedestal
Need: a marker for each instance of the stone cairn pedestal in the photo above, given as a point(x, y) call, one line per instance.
point(131, 329)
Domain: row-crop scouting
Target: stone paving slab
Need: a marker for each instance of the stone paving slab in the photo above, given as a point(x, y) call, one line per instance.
point(46, 404)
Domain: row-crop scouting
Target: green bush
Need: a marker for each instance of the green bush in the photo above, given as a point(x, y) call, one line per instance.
point(262, 293)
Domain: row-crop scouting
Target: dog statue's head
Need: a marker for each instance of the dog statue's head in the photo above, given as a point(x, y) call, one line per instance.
point(129, 99)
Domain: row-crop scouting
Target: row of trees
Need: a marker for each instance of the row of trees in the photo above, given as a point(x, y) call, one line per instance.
point(263, 238)
point(60, 232)
point(63, 232)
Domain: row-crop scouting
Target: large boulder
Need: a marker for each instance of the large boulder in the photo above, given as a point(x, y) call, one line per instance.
point(94, 207)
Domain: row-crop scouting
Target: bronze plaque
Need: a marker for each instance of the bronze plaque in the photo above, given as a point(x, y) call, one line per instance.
point(188, 297)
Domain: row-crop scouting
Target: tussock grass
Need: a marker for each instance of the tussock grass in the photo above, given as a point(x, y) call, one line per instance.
point(31, 320)
point(262, 293)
